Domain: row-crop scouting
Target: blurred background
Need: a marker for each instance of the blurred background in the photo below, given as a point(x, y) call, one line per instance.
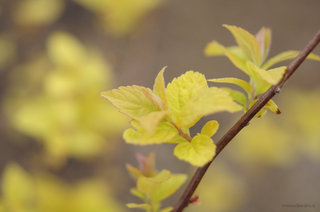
point(60, 143)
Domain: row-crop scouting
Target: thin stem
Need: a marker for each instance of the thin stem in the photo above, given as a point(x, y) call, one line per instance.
point(244, 120)
point(181, 133)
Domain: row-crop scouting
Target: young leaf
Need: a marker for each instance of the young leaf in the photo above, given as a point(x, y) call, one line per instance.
point(264, 39)
point(131, 100)
point(287, 55)
point(247, 42)
point(146, 164)
point(209, 101)
point(271, 76)
point(137, 193)
point(243, 84)
point(238, 97)
point(161, 186)
point(159, 88)
point(216, 49)
point(182, 89)
point(163, 133)
point(210, 128)
point(198, 152)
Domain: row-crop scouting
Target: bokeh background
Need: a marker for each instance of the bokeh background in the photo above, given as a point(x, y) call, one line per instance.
point(60, 142)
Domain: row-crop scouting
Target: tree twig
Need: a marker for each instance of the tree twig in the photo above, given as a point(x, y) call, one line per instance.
point(244, 120)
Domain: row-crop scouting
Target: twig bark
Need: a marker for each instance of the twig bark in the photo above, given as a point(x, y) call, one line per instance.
point(244, 120)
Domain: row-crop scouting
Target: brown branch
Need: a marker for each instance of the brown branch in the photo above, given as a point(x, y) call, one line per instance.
point(244, 120)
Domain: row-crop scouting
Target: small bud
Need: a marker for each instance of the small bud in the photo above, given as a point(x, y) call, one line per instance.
point(195, 200)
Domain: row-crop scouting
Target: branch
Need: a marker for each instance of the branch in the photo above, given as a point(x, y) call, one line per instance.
point(244, 120)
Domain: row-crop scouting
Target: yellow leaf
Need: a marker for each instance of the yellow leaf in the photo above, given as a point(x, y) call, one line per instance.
point(263, 79)
point(151, 121)
point(182, 89)
point(243, 84)
point(215, 49)
point(287, 55)
point(247, 42)
point(131, 100)
point(210, 128)
point(163, 133)
point(160, 186)
point(198, 152)
point(208, 101)
point(271, 76)
point(137, 193)
point(159, 88)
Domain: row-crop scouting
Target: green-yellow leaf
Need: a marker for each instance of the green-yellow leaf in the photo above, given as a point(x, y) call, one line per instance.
point(210, 128)
point(238, 97)
point(247, 42)
point(264, 39)
point(163, 133)
point(137, 193)
point(159, 88)
point(170, 186)
point(215, 49)
point(243, 84)
point(209, 101)
point(287, 55)
point(131, 100)
point(160, 186)
point(272, 76)
point(182, 89)
point(198, 152)
point(144, 206)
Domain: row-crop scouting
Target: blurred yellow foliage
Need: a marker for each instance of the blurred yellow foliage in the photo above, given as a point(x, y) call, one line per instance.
point(120, 16)
point(264, 142)
point(43, 193)
point(304, 116)
point(57, 100)
point(220, 191)
point(7, 49)
point(278, 142)
point(37, 12)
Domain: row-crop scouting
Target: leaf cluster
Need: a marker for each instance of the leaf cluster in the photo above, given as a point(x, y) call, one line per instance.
point(166, 113)
point(152, 187)
point(250, 56)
